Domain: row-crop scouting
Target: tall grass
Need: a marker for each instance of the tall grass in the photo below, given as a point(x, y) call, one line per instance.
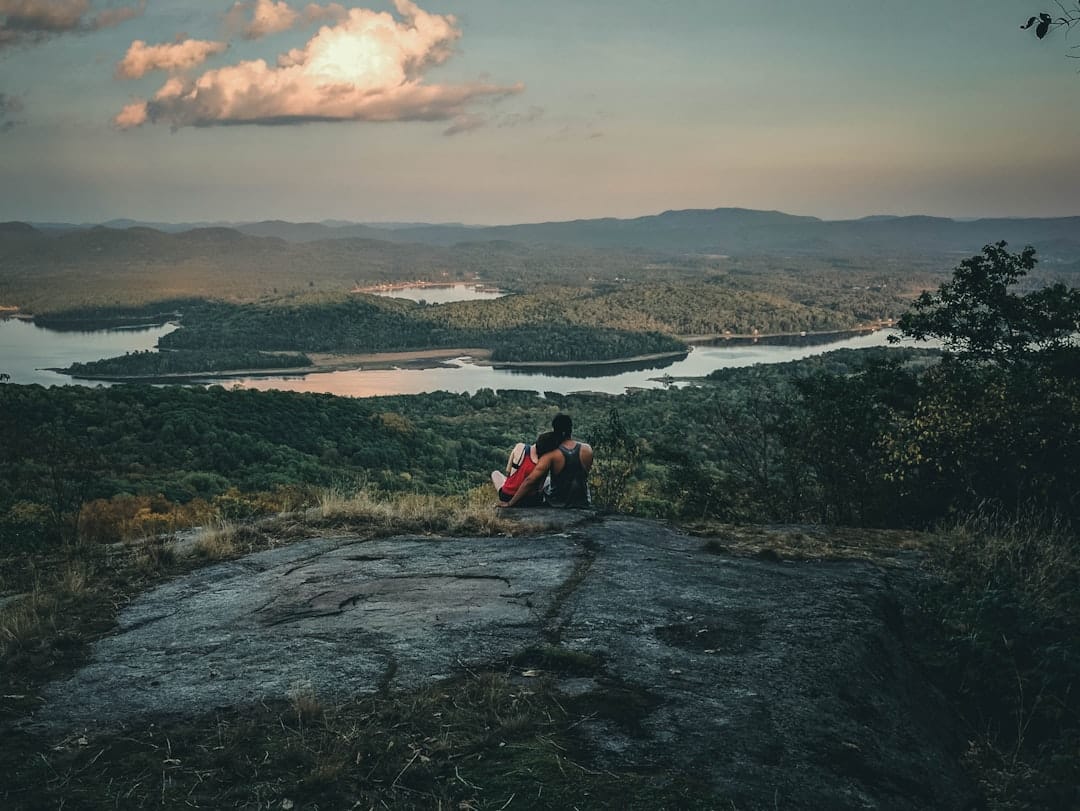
point(48, 609)
point(1008, 603)
point(472, 512)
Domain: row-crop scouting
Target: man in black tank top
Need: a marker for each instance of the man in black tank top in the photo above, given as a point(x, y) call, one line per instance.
point(569, 487)
point(568, 465)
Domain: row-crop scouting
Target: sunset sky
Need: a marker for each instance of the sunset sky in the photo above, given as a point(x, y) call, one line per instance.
point(497, 111)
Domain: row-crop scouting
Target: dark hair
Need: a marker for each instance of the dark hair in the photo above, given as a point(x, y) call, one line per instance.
point(563, 426)
point(546, 443)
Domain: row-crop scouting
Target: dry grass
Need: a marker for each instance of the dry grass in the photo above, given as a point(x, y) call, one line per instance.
point(479, 740)
point(216, 542)
point(306, 705)
point(472, 513)
point(1037, 554)
point(153, 555)
point(807, 542)
point(46, 608)
point(26, 620)
point(74, 580)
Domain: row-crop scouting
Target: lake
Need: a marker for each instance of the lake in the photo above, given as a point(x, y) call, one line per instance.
point(440, 294)
point(26, 350)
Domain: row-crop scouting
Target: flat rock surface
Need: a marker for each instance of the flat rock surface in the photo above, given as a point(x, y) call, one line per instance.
point(783, 684)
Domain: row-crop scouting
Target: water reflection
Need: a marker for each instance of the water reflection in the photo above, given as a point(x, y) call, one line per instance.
point(594, 370)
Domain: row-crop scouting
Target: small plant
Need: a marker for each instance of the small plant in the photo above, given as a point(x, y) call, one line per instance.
point(27, 620)
point(306, 705)
point(154, 555)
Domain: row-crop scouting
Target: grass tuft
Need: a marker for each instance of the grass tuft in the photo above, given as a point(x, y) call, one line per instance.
point(217, 542)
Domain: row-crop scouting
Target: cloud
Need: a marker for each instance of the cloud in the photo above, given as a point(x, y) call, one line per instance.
point(534, 113)
point(142, 58)
point(368, 67)
point(466, 122)
point(29, 21)
point(470, 122)
point(10, 106)
point(254, 19)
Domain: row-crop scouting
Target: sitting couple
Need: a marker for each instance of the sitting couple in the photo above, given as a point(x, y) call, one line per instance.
point(554, 471)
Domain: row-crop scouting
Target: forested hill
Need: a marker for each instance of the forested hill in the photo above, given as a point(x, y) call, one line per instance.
point(732, 231)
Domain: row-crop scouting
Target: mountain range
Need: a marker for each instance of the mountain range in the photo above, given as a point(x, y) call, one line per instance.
point(730, 231)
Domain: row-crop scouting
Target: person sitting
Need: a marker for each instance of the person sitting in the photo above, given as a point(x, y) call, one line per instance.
point(523, 459)
point(568, 464)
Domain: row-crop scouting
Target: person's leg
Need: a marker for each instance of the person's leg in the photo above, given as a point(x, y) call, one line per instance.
point(498, 478)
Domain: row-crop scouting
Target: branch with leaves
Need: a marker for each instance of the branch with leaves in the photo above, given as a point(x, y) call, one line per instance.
point(1044, 23)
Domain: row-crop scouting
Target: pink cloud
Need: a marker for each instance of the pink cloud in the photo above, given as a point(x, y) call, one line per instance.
point(142, 58)
point(34, 20)
point(368, 67)
point(254, 19)
point(133, 115)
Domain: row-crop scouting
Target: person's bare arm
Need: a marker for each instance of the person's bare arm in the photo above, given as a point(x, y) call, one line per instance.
point(518, 452)
point(586, 457)
point(532, 481)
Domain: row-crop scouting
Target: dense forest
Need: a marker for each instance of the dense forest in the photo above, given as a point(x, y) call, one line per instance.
point(185, 362)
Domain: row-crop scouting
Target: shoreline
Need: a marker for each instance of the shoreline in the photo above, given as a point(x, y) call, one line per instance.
point(697, 340)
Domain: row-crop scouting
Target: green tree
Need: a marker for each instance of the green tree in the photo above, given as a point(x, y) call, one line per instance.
point(980, 313)
point(996, 422)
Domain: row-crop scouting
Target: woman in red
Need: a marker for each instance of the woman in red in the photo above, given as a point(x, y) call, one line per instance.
point(520, 464)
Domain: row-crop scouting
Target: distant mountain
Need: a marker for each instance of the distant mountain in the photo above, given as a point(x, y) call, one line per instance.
point(310, 231)
point(692, 230)
point(17, 228)
point(729, 231)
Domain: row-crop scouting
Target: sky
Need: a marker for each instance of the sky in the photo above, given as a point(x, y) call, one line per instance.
point(502, 111)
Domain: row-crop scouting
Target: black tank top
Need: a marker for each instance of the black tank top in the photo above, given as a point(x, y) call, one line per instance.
point(569, 488)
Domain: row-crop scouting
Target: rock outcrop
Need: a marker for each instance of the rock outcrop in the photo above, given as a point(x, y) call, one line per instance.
point(781, 684)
